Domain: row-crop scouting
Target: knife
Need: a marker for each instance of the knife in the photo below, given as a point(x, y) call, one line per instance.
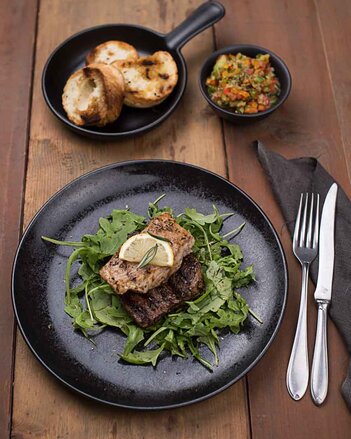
point(322, 296)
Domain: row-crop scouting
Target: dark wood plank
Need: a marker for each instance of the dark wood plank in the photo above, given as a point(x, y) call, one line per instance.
point(307, 125)
point(42, 406)
point(16, 18)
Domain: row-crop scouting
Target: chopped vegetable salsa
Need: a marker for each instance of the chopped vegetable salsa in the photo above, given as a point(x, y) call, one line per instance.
point(246, 85)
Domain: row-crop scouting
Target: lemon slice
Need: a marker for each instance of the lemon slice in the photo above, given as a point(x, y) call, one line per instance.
point(137, 246)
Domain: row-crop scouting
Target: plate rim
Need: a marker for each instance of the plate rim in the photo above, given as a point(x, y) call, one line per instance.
point(139, 407)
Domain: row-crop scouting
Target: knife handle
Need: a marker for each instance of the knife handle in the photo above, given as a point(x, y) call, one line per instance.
point(319, 374)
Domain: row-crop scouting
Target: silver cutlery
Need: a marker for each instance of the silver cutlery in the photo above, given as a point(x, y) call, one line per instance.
point(305, 247)
point(322, 295)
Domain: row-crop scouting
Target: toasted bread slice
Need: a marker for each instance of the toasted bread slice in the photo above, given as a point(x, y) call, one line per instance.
point(94, 95)
point(148, 80)
point(111, 51)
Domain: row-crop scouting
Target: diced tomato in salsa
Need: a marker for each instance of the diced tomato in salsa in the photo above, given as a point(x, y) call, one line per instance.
point(244, 84)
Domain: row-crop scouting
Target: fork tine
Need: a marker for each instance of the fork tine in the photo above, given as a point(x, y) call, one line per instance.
point(303, 227)
point(316, 225)
point(297, 224)
point(310, 221)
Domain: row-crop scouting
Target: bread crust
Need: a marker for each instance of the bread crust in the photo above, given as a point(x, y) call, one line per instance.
point(94, 95)
point(148, 80)
point(111, 51)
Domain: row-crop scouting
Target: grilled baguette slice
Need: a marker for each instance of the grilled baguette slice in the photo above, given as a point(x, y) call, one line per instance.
point(148, 80)
point(111, 51)
point(94, 95)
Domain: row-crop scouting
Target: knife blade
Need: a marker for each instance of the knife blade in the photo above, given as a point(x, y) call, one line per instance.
point(322, 295)
point(326, 247)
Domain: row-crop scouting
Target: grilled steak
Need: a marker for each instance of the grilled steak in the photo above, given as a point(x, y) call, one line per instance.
point(125, 276)
point(186, 284)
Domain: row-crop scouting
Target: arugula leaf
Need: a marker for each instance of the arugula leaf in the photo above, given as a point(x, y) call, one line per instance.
point(57, 242)
point(99, 299)
point(199, 217)
point(85, 271)
point(108, 310)
point(83, 320)
point(137, 357)
point(135, 336)
point(154, 210)
point(215, 273)
point(74, 308)
point(210, 341)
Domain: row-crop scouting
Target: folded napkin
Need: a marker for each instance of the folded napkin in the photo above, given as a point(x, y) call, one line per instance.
point(289, 178)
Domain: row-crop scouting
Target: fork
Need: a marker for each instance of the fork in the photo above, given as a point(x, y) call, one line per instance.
point(305, 247)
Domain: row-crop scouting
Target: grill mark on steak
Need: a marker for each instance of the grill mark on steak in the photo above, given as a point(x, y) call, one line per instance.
point(186, 284)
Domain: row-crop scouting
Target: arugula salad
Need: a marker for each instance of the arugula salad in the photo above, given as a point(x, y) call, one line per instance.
point(94, 306)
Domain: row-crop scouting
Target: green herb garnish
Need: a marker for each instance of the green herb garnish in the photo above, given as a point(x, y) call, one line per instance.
point(148, 257)
point(161, 238)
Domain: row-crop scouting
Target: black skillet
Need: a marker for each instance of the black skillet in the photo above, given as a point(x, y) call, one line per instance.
point(70, 56)
point(96, 371)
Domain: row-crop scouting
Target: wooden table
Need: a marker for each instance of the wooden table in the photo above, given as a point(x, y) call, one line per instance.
point(39, 156)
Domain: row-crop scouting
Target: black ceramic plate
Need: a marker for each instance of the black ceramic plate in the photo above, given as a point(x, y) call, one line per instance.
point(97, 372)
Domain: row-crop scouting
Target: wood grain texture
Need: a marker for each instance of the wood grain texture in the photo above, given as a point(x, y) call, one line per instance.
point(307, 125)
point(42, 407)
point(334, 21)
point(14, 105)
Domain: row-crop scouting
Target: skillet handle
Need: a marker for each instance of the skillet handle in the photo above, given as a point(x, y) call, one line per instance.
point(204, 16)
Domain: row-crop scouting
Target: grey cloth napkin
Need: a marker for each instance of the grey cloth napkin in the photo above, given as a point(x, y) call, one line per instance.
point(289, 178)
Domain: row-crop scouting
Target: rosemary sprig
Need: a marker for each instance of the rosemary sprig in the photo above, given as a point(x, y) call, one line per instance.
point(161, 238)
point(148, 257)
